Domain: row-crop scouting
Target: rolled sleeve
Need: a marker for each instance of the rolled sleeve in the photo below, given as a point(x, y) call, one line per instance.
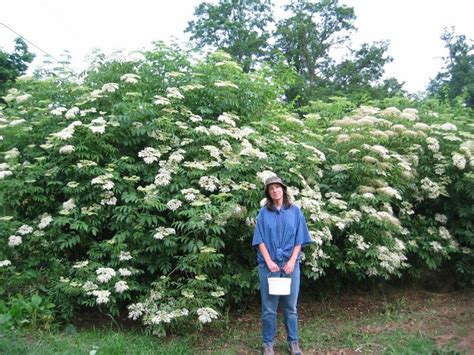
point(302, 233)
point(258, 234)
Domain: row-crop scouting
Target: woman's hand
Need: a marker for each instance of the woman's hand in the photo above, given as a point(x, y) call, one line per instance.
point(289, 266)
point(273, 267)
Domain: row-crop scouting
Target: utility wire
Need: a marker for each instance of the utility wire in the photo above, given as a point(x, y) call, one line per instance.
point(26, 40)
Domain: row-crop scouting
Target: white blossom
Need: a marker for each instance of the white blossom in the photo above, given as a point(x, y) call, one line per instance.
point(174, 204)
point(149, 155)
point(14, 241)
point(102, 296)
point(160, 100)
point(72, 113)
point(441, 218)
point(125, 255)
point(104, 274)
point(66, 149)
point(80, 264)
point(207, 314)
point(110, 87)
point(130, 78)
point(431, 188)
point(5, 173)
point(89, 286)
point(45, 220)
point(226, 84)
point(174, 93)
point(58, 111)
point(121, 286)
point(4, 263)
point(209, 183)
point(12, 154)
point(124, 272)
point(162, 232)
point(459, 161)
point(24, 229)
point(136, 310)
point(437, 247)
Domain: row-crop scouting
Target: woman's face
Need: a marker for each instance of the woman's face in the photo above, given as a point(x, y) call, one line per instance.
point(276, 192)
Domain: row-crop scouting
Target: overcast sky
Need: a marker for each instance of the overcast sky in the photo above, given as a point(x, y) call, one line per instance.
point(413, 28)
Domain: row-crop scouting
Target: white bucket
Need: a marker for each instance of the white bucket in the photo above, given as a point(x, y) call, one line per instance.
point(279, 286)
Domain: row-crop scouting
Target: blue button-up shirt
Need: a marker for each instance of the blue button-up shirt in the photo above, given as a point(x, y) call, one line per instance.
point(280, 231)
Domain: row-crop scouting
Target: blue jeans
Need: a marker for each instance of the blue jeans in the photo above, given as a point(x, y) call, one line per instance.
point(270, 305)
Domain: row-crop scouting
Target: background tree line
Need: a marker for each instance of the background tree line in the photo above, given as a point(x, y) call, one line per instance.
point(305, 40)
point(302, 46)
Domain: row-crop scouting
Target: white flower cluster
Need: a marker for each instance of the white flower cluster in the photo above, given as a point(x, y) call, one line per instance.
point(249, 150)
point(67, 132)
point(459, 161)
point(433, 144)
point(97, 125)
point(80, 264)
point(444, 233)
point(71, 113)
point(121, 286)
point(130, 78)
point(104, 181)
point(437, 247)
point(228, 118)
point(317, 256)
point(45, 220)
point(66, 149)
point(207, 314)
point(359, 241)
point(381, 150)
point(149, 155)
point(162, 232)
point(108, 198)
point(12, 154)
point(24, 230)
point(190, 194)
point(4, 172)
point(104, 274)
point(161, 101)
point(163, 178)
point(389, 191)
point(209, 183)
point(68, 206)
point(431, 188)
point(225, 84)
point(102, 296)
point(190, 87)
point(4, 263)
point(110, 87)
point(14, 240)
point(441, 218)
point(166, 317)
point(124, 272)
point(136, 310)
point(174, 204)
point(173, 93)
point(124, 256)
point(391, 261)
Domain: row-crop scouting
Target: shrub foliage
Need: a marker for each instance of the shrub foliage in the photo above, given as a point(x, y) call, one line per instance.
point(137, 185)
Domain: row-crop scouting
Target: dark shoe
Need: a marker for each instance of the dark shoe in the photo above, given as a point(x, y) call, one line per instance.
point(295, 349)
point(268, 349)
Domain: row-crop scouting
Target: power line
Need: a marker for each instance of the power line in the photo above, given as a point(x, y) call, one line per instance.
point(26, 40)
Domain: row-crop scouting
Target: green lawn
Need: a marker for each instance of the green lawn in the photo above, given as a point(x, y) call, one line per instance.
point(404, 322)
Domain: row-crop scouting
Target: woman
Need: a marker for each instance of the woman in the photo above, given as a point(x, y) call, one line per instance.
point(280, 234)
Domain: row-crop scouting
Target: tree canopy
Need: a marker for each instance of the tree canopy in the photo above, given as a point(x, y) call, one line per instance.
point(14, 64)
point(457, 77)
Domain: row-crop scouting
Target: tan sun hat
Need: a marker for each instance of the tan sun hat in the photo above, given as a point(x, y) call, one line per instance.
point(274, 180)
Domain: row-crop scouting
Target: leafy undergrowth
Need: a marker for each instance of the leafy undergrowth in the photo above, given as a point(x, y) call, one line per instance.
point(394, 322)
